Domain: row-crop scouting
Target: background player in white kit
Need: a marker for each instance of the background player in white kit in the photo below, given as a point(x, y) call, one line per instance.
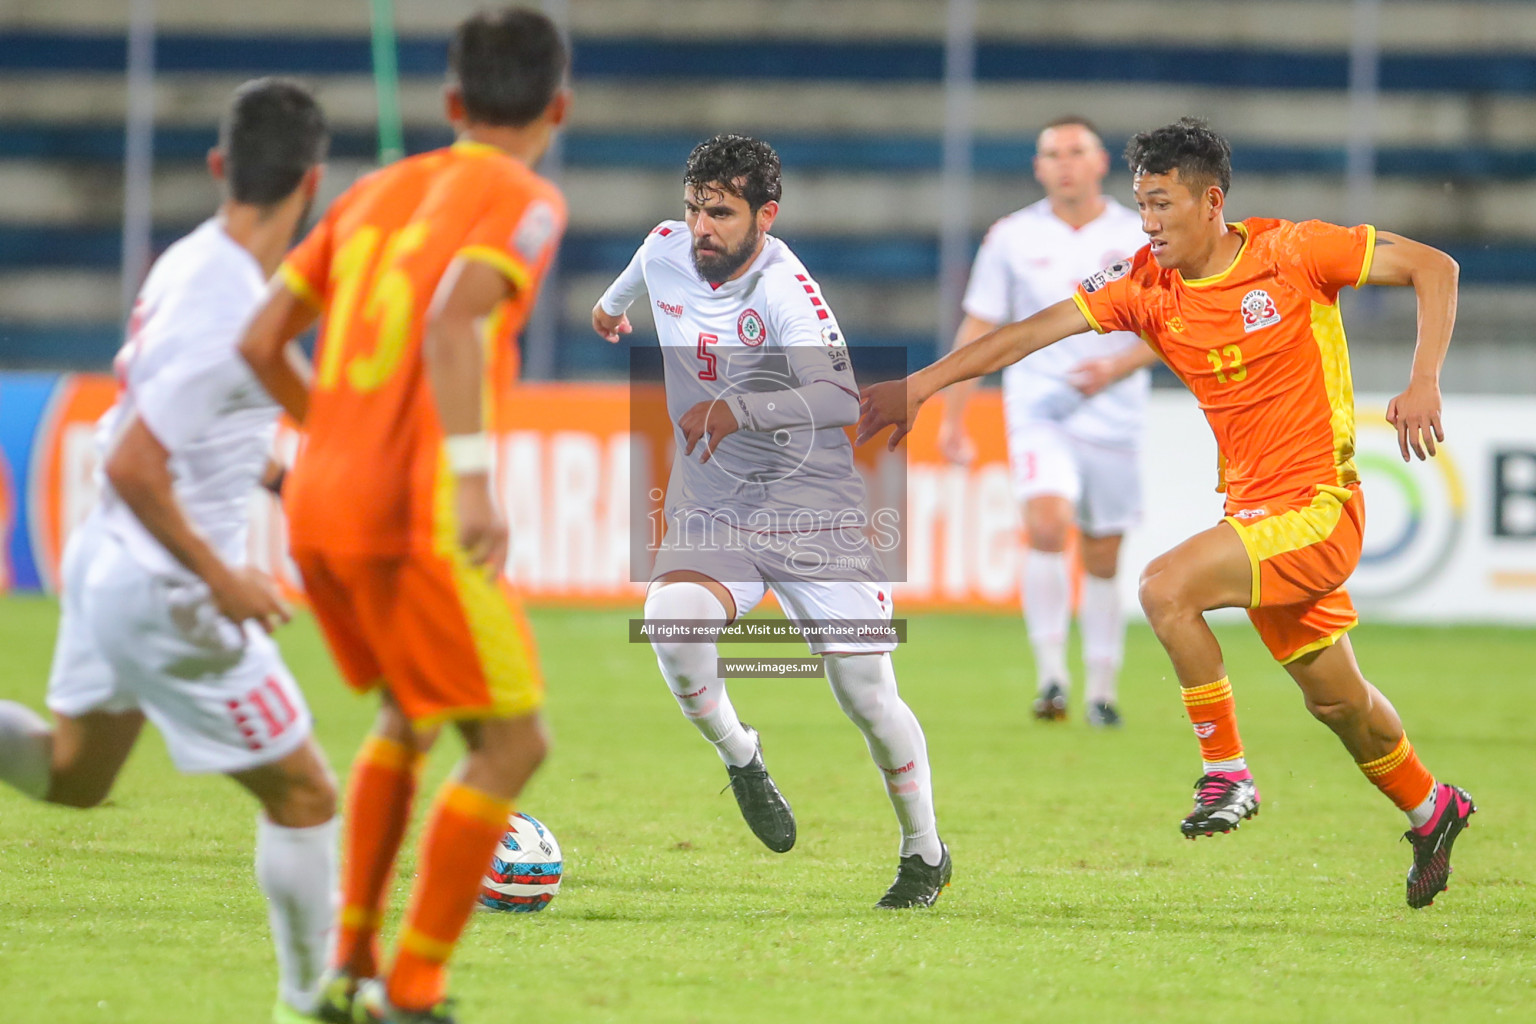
point(162, 617)
point(759, 386)
point(1074, 411)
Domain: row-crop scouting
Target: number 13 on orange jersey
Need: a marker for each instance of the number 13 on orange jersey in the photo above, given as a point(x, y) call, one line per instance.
point(1227, 363)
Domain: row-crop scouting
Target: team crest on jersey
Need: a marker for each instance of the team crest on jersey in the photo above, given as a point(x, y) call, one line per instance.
point(1259, 310)
point(534, 231)
point(750, 328)
point(1114, 272)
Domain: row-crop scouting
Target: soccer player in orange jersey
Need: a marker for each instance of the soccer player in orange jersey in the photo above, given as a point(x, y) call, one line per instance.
point(392, 518)
point(1247, 315)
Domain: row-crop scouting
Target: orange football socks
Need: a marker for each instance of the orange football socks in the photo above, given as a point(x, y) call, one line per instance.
point(1214, 715)
point(1401, 776)
point(379, 797)
point(456, 850)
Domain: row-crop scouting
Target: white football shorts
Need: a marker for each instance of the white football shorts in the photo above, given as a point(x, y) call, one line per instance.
point(219, 694)
point(817, 578)
point(1101, 481)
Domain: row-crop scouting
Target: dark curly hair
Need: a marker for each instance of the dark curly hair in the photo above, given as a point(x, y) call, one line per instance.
point(743, 166)
point(1202, 156)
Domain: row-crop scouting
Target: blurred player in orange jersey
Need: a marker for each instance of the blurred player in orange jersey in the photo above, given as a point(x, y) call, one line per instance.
point(391, 511)
point(1247, 315)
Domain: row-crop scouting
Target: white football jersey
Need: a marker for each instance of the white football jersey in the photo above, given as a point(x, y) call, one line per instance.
point(1032, 259)
point(180, 373)
point(768, 330)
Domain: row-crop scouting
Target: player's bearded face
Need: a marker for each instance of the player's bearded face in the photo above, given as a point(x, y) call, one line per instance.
point(725, 233)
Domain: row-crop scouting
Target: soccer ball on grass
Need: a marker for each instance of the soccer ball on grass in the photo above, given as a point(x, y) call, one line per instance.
point(525, 871)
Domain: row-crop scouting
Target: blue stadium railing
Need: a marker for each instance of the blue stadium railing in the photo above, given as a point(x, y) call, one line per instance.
point(103, 143)
point(1512, 70)
point(898, 258)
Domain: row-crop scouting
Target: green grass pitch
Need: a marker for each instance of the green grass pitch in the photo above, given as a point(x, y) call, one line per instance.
point(1074, 897)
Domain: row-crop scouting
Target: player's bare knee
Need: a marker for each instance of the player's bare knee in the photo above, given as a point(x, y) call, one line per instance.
point(508, 746)
point(1049, 541)
point(1101, 559)
point(308, 800)
point(395, 725)
point(1162, 593)
point(304, 796)
point(534, 745)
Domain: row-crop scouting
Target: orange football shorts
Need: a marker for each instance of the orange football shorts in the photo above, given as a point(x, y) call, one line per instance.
point(446, 641)
point(1301, 552)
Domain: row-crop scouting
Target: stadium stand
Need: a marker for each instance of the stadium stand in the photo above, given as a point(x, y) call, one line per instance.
point(854, 105)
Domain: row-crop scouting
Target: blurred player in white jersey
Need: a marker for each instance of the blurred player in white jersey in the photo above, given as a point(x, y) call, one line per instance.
point(162, 617)
point(1074, 411)
point(764, 492)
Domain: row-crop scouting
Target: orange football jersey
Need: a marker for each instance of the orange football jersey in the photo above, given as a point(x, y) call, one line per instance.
point(1261, 346)
point(370, 474)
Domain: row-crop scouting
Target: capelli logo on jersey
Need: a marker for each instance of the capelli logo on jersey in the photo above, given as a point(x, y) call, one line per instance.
point(1205, 730)
point(675, 312)
point(1258, 310)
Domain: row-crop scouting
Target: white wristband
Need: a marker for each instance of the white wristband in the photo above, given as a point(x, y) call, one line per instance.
point(468, 453)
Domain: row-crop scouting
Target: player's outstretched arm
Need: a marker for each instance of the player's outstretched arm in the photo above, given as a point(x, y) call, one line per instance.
point(469, 292)
point(618, 297)
point(1433, 275)
point(897, 402)
point(954, 445)
point(267, 347)
point(139, 472)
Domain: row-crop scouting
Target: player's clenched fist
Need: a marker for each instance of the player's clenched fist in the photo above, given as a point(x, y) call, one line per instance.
point(248, 593)
point(882, 405)
point(482, 529)
point(609, 327)
point(712, 418)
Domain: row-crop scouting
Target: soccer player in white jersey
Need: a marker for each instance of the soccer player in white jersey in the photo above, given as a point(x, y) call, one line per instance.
point(162, 617)
point(1074, 411)
point(764, 492)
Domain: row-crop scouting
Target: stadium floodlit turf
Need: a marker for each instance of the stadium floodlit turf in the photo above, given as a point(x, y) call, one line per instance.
point(1074, 897)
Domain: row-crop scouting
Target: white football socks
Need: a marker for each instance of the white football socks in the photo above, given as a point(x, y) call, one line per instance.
point(1421, 815)
point(865, 687)
point(1047, 610)
point(692, 670)
point(26, 749)
point(296, 869)
point(1102, 622)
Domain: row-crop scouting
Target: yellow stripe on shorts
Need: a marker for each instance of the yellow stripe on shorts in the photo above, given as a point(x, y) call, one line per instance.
point(506, 662)
point(1290, 531)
